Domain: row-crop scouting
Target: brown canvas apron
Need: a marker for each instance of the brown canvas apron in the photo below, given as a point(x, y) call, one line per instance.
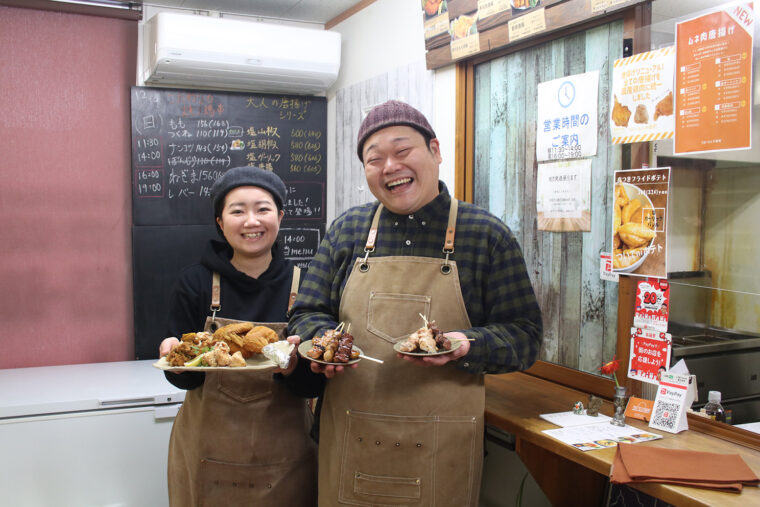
point(399, 433)
point(242, 439)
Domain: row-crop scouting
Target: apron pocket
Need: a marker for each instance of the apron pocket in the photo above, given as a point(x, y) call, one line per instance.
point(244, 387)
point(400, 487)
point(384, 309)
point(228, 484)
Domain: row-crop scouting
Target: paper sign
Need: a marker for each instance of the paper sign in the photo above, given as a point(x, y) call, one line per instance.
point(639, 408)
point(602, 435)
point(641, 108)
point(563, 196)
point(605, 268)
point(714, 80)
point(670, 404)
point(639, 224)
point(527, 25)
point(601, 5)
point(567, 125)
point(436, 25)
point(490, 7)
point(649, 356)
point(652, 304)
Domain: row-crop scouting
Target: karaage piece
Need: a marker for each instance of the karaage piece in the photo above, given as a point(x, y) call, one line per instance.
point(620, 114)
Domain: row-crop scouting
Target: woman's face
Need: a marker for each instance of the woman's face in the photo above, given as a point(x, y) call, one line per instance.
point(250, 221)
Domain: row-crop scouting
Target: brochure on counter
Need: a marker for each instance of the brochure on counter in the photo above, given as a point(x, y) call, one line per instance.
point(588, 433)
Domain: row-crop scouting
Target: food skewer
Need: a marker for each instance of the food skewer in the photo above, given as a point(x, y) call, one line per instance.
point(371, 359)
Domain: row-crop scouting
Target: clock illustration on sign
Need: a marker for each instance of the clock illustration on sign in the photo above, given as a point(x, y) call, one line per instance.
point(566, 94)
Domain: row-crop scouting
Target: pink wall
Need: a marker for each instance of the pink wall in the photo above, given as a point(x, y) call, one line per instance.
point(65, 208)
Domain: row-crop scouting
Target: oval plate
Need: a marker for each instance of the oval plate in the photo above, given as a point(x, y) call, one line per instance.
point(255, 362)
point(455, 344)
point(304, 347)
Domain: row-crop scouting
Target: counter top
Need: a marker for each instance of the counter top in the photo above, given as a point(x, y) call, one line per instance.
point(515, 400)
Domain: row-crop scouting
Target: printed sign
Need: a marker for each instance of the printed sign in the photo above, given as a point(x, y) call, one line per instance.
point(639, 222)
point(490, 7)
point(567, 124)
point(639, 408)
point(527, 25)
point(652, 304)
point(563, 196)
point(714, 80)
point(650, 355)
point(642, 97)
point(605, 268)
point(670, 404)
point(465, 39)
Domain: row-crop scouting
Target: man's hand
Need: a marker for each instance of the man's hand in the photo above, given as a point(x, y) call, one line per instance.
point(167, 345)
point(442, 359)
point(293, 361)
point(329, 370)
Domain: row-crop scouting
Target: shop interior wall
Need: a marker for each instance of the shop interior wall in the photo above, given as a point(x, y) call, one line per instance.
point(65, 199)
point(579, 309)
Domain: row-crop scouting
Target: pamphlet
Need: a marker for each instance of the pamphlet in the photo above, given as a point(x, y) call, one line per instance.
point(600, 435)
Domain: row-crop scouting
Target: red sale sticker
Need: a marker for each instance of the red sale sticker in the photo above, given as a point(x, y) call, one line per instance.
point(652, 303)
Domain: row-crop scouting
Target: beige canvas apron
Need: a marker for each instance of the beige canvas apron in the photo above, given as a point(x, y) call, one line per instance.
point(400, 433)
point(242, 439)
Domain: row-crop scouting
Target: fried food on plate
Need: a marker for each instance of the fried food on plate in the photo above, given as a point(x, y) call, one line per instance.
point(620, 114)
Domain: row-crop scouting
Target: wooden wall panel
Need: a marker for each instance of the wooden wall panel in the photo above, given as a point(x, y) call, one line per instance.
point(412, 83)
point(579, 309)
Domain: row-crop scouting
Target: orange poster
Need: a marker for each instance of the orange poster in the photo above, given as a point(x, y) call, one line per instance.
point(714, 80)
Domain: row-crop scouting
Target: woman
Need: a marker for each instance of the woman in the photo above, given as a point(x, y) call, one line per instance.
point(240, 438)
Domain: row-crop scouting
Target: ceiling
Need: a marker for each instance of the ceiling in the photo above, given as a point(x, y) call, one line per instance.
point(313, 11)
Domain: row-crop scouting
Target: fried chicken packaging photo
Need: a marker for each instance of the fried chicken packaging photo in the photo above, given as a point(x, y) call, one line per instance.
point(641, 99)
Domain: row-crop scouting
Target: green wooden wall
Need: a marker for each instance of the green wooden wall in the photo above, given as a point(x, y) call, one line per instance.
point(579, 309)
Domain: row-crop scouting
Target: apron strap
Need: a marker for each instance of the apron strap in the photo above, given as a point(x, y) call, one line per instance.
point(371, 238)
point(294, 287)
point(448, 244)
point(216, 290)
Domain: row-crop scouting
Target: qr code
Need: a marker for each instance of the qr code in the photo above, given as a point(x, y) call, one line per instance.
point(665, 414)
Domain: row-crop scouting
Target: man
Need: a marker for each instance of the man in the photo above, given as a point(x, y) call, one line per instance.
point(400, 433)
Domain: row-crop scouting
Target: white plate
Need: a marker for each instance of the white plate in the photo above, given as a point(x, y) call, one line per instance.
point(255, 362)
point(304, 347)
point(455, 344)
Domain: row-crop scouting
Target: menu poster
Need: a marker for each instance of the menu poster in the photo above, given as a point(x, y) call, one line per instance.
point(650, 355)
point(639, 223)
point(435, 16)
point(567, 125)
point(642, 97)
point(714, 80)
point(465, 39)
point(652, 303)
point(563, 196)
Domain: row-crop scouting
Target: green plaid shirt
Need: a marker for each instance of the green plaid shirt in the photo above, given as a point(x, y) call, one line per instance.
point(496, 289)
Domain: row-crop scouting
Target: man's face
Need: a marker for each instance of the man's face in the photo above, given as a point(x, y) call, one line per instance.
point(402, 172)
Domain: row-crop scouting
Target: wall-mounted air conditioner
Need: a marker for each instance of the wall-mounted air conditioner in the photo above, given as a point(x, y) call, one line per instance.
point(206, 52)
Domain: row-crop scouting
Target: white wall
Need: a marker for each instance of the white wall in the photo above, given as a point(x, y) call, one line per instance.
point(381, 37)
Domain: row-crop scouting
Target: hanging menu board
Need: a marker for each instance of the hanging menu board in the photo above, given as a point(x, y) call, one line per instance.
point(182, 142)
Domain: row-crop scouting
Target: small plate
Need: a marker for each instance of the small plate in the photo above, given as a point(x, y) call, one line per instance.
point(304, 347)
point(255, 362)
point(455, 344)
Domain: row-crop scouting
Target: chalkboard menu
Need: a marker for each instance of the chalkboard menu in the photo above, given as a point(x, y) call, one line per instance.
point(182, 141)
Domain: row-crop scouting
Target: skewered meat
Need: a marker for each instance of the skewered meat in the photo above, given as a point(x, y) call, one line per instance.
point(429, 339)
point(345, 345)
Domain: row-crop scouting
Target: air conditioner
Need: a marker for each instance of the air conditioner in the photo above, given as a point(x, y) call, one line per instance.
point(207, 52)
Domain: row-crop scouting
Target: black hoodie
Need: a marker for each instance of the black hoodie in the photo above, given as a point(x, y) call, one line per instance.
point(263, 299)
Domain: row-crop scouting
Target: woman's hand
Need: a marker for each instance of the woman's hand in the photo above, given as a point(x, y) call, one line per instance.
point(293, 361)
point(167, 345)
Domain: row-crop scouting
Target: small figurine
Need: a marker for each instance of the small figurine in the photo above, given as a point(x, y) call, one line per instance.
point(578, 408)
point(594, 404)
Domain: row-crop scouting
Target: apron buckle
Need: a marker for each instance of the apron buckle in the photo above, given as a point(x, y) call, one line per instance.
point(446, 268)
point(364, 266)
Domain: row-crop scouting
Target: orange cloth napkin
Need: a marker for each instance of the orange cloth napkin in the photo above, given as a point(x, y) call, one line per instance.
point(641, 463)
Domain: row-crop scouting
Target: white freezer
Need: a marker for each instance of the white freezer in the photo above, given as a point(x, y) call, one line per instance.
point(86, 435)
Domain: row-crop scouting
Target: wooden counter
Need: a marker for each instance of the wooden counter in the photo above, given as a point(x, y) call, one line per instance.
point(572, 477)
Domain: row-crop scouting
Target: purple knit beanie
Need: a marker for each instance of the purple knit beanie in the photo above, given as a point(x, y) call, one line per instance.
point(389, 114)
